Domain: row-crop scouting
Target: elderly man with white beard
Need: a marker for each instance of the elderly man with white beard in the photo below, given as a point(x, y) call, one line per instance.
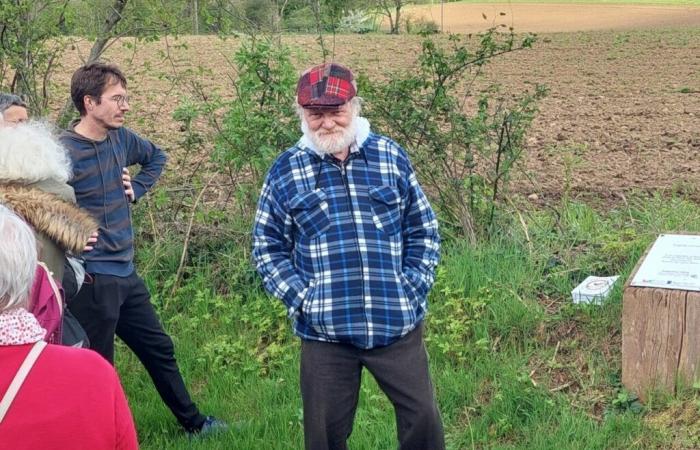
point(346, 238)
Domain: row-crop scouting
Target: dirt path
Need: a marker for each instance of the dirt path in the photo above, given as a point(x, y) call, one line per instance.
point(553, 18)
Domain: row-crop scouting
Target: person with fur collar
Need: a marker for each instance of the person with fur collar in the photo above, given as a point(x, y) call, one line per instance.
point(34, 174)
point(71, 397)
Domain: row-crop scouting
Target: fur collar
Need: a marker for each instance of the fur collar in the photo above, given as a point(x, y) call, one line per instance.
point(63, 222)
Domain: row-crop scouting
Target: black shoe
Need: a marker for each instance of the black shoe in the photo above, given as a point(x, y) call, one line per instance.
point(211, 426)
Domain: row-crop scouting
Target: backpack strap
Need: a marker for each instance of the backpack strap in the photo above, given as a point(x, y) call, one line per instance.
point(19, 378)
point(54, 287)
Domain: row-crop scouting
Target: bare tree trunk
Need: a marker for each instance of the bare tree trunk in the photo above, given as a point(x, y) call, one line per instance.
point(397, 21)
point(392, 10)
point(280, 6)
point(316, 8)
point(115, 15)
point(195, 16)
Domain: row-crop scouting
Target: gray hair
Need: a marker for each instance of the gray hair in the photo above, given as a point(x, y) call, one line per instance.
point(18, 260)
point(7, 100)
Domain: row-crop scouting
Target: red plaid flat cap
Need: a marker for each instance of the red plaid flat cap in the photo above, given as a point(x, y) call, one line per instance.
point(325, 86)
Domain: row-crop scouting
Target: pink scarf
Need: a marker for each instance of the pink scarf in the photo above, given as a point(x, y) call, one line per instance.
point(18, 327)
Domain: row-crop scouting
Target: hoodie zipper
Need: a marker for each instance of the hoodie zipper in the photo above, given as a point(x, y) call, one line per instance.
point(346, 184)
point(104, 189)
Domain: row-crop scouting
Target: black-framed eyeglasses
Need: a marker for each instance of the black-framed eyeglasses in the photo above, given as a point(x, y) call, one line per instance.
point(120, 100)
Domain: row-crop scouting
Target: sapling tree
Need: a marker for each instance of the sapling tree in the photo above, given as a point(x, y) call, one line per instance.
point(463, 152)
point(391, 9)
point(30, 47)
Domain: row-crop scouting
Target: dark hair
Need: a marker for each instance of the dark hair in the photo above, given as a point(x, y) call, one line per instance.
point(92, 80)
point(7, 100)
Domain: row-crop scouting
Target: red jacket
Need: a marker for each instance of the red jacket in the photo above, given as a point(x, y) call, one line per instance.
point(46, 303)
point(71, 399)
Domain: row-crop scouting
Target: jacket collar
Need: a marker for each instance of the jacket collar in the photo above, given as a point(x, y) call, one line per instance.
point(62, 222)
point(19, 327)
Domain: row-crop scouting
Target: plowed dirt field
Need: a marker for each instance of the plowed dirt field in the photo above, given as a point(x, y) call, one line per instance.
point(623, 110)
point(548, 18)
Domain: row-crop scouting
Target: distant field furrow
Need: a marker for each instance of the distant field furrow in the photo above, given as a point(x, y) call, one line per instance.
point(623, 110)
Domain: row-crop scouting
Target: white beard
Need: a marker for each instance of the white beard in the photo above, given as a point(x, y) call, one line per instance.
point(331, 143)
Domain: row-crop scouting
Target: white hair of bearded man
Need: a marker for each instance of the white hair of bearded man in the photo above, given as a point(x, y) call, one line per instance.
point(337, 140)
point(18, 259)
point(29, 152)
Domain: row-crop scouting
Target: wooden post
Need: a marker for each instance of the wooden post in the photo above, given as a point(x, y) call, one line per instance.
point(660, 338)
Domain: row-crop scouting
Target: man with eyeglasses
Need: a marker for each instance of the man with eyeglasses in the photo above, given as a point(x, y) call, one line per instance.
point(13, 110)
point(117, 300)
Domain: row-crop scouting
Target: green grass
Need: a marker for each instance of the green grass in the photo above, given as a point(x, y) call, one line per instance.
point(514, 363)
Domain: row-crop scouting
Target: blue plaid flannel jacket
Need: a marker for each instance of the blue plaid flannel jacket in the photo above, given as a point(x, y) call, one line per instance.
point(350, 248)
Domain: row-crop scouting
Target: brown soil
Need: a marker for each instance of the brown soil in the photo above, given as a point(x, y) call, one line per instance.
point(623, 110)
point(549, 18)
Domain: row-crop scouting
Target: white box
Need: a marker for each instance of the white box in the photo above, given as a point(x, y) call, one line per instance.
point(593, 289)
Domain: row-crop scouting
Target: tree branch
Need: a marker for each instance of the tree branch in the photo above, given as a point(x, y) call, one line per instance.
point(98, 47)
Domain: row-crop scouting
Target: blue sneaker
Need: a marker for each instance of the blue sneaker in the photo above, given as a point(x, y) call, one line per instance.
point(211, 425)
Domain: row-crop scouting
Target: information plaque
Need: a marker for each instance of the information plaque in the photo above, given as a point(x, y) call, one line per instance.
point(673, 262)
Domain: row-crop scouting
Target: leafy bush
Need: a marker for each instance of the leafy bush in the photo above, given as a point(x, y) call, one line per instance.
point(625, 401)
point(301, 19)
point(30, 48)
point(463, 157)
point(251, 129)
point(358, 21)
point(261, 120)
point(454, 318)
point(427, 27)
point(422, 26)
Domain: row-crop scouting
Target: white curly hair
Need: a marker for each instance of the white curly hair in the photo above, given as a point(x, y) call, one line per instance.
point(30, 153)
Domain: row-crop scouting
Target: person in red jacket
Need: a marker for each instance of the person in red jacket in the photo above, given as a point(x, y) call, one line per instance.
point(71, 398)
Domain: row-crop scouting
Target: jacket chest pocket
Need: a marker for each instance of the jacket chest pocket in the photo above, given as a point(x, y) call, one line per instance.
point(310, 212)
point(386, 206)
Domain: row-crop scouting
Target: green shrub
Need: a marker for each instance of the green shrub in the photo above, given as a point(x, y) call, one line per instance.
point(463, 157)
point(254, 127)
point(301, 19)
point(358, 21)
point(453, 321)
point(422, 26)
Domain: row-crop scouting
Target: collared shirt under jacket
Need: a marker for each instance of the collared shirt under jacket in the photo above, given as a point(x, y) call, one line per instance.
point(350, 247)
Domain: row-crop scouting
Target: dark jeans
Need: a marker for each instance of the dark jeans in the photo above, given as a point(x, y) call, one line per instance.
point(330, 386)
point(122, 305)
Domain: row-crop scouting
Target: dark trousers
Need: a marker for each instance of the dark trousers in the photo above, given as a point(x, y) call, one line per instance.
point(122, 305)
point(330, 386)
